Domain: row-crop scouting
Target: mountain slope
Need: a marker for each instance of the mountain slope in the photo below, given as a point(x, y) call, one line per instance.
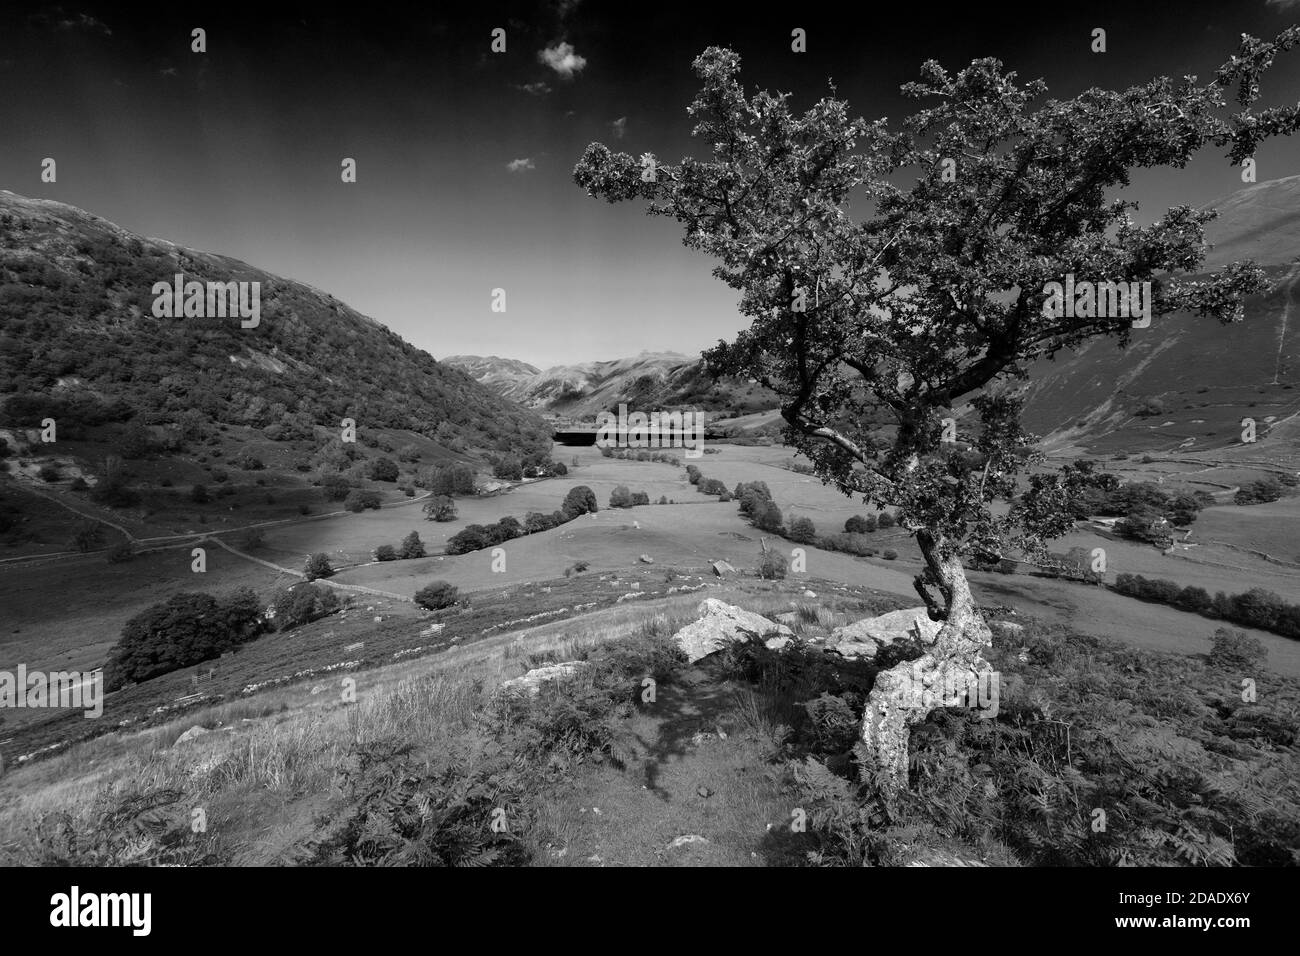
point(77, 332)
point(503, 375)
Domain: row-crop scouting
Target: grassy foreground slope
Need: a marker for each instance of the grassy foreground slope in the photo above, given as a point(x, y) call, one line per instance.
point(424, 765)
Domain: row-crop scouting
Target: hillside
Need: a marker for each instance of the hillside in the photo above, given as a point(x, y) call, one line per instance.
point(79, 341)
point(656, 380)
point(1185, 383)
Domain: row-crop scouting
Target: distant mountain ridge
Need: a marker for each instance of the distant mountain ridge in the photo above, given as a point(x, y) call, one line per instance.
point(76, 325)
point(650, 380)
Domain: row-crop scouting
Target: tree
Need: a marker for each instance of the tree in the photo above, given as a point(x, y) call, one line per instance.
point(579, 501)
point(440, 508)
point(535, 521)
point(620, 497)
point(185, 629)
point(766, 516)
point(508, 528)
point(860, 524)
point(802, 531)
point(471, 538)
point(304, 603)
point(508, 469)
point(412, 547)
point(318, 566)
point(942, 295)
point(385, 552)
point(436, 596)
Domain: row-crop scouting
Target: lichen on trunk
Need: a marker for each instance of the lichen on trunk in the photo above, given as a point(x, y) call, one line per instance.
point(898, 700)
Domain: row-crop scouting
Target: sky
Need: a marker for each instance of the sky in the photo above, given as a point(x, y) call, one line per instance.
point(465, 156)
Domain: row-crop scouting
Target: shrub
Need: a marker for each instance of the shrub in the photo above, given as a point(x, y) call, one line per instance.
point(49, 472)
point(318, 566)
point(383, 469)
point(620, 497)
point(385, 552)
point(336, 487)
point(88, 536)
point(360, 500)
point(640, 498)
point(1259, 492)
point(886, 520)
point(889, 554)
point(79, 484)
point(412, 547)
point(1236, 650)
point(772, 566)
point(436, 596)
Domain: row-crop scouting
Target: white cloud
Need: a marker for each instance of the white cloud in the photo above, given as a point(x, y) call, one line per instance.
point(619, 126)
point(562, 58)
point(520, 165)
point(1283, 4)
point(534, 89)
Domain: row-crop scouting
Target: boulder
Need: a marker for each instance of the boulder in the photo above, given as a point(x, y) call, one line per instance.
point(191, 734)
point(530, 685)
point(886, 628)
point(1006, 628)
point(722, 567)
point(723, 624)
point(646, 559)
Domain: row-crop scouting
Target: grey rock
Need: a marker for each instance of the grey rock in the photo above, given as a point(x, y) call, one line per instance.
point(723, 624)
point(530, 684)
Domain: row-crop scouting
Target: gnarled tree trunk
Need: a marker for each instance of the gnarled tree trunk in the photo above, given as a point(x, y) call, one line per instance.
point(905, 694)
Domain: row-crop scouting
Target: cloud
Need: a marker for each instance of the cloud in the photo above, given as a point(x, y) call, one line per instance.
point(1282, 4)
point(520, 165)
point(534, 89)
point(562, 59)
point(169, 71)
point(619, 126)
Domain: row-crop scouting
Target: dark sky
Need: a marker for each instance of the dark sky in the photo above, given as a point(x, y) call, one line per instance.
point(237, 150)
